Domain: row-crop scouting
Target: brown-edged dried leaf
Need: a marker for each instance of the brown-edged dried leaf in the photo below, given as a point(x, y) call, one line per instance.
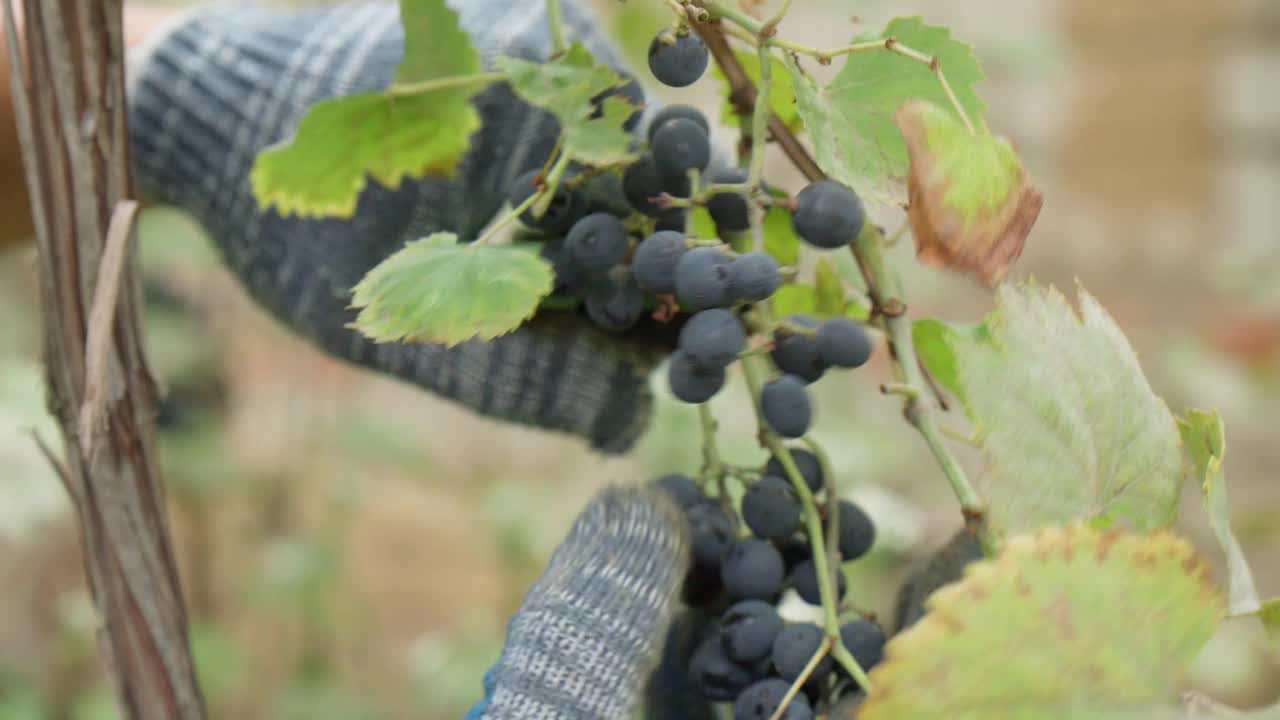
point(971, 203)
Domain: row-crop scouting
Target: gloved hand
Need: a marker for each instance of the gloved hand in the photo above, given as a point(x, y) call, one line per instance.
point(210, 93)
point(223, 84)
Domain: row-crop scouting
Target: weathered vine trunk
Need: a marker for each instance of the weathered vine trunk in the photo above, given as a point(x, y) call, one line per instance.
point(68, 91)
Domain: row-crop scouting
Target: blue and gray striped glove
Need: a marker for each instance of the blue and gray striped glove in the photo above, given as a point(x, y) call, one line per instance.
point(224, 83)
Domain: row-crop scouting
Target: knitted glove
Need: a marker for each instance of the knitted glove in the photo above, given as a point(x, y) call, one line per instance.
point(590, 630)
point(224, 83)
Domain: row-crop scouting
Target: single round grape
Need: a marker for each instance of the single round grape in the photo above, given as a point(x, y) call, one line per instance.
point(864, 639)
point(682, 488)
point(562, 212)
point(712, 532)
point(719, 678)
point(771, 509)
point(753, 277)
point(728, 209)
point(655, 259)
point(857, 531)
point(713, 338)
point(806, 462)
point(797, 354)
point(804, 578)
point(671, 112)
point(679, 63)
point(701, 585)
point(679, 146)
point(569, 278)
point(597, 242)
point(615, 305)
point(843, 343)
point(702, 278)
point(785, 405)
point(795, 550)
point(752, 570)
point(643, 182)
point(748, 628)
point(632, 91)
point(828, 214)
point(691, 382)
point(794, 648)
point(761, 700)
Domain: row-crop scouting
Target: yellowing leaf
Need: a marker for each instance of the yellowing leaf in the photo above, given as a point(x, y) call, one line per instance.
point(566, 88)
point(1205, 442)
point(439, 291)
point(389, 136)
point(1069, 426)
point(851, 120)
point(1066, 622)
point(971, 204)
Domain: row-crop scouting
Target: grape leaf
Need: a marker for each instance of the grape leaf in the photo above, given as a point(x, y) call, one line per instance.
point(971, 204)
point(1066, 622)
point(828, 291)
point(780, 239)
point(932, 339)
point(440, 291)
point(1205, 442)
point(323, 167)
point(782, 96)
point(567, 87)
point(1068, 423)
point(795, 298)
point(851, 120)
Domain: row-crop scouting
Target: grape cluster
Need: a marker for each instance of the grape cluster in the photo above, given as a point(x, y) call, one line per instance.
point(742, 564)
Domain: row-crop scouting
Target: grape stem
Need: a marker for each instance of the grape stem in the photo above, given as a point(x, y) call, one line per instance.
point(550, 183)
point(833, 514)
point(802, 678)
point(491, 233)
point(556, 26)
point(868, 249)
point(712, 468)
point(752, 371)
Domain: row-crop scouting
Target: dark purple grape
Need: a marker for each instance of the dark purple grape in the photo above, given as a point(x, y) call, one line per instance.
point(771, 509)
point(712, 532)
point(713, 338)
point(682, 488)
point(655, 259)
point(752, 570)
point(702, 278)
point(785, 405)
point(643, 182)
point(615, 305)
point(828, 214)
point(857, 531)
point(728, 209)
point(719, 678)
point(671, 112)
point(691, 382)
point(761, 700)
point(677, 59)
point(797, 354)
point(679, 146)
point(865, 640)
point(843, 343)
point(748, 629)
point(753, 277)
point(804, 578)
point(563, 211)
point(794, 647)
point(597, 242)
point(806, 462)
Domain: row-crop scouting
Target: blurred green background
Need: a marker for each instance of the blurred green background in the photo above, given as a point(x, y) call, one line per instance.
point(350, 546)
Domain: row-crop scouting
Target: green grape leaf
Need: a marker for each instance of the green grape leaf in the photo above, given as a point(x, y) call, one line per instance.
point(389, 136)
point(700, 224)
point(1204, 439)
point(828, 291)
point(1066, 622)
point(1069, 426)
point(780, 239)
point(851, 119)
point(782, 96)
point(933, 338)
point(438, 290)
point(795, 298)
point(566, 88)
point(971, 205)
